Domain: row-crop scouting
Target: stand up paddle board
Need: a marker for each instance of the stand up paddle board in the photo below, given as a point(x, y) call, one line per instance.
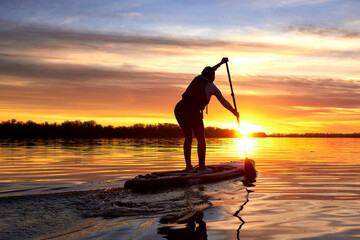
point(219, 172)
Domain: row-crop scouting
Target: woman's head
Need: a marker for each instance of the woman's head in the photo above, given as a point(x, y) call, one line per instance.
point(208, 73)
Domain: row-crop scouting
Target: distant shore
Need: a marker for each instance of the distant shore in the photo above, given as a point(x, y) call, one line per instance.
point(90, 129)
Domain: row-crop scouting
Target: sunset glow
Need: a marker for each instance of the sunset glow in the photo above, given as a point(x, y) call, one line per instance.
point(127, 62)
point(245, 128)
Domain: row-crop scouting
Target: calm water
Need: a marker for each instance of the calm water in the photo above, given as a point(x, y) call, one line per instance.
point(307, 188)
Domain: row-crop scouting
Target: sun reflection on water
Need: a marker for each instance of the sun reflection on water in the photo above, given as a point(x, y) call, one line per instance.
point(245, 145)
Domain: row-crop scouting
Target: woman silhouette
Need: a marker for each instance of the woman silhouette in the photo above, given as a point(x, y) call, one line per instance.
point(188, 112)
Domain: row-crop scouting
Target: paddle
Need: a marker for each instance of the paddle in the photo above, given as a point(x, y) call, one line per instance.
point(232, 92)
point(250, 171)
point(233, 97)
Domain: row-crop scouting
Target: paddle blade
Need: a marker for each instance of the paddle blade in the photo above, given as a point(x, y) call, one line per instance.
point(250, 171)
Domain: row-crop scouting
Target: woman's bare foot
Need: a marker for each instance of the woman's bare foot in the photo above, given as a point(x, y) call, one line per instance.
point(189, 168)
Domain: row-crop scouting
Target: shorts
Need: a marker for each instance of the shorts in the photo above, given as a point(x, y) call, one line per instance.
point(189, 115)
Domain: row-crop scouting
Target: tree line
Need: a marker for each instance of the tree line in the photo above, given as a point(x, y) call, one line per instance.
point(90, 129)
point(314, 135)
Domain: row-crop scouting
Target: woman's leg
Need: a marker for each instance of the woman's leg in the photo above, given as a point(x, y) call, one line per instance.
point(184, 119)
point(200, 136)
point(187, 146)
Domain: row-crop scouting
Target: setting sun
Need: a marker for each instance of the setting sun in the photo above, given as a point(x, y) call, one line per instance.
point(246, 128)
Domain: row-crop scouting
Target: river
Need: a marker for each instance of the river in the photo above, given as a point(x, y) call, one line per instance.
point(307, 188)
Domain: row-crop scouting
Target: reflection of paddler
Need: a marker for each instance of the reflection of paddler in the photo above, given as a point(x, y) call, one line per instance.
point(195, 227)
point(188, 112)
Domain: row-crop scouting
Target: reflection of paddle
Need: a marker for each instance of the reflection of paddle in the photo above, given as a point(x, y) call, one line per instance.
point(232, 92)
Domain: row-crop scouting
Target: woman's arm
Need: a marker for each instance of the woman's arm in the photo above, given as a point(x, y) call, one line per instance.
point(224, 60)
point(213, 90)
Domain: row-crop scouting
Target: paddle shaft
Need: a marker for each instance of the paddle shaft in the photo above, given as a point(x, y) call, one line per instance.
point(233, 96)
point(232, 92)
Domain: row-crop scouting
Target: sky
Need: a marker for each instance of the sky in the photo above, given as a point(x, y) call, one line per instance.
point(294, 63)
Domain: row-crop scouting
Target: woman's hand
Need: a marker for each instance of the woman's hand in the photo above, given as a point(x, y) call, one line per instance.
point(236, 113)
point(224, 60)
